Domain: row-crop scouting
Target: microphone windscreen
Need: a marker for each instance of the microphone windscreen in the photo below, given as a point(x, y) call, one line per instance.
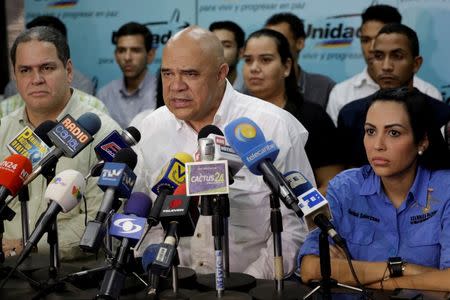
point(184, 157)
point(180, 190)
point(135, 135)
point(209, 129)
point(126, 156)
point(139, 205)
point(90, 122)
point(149, 256)
point(13, 171)
point(247, 139)
point(66, 189)
point(42, 130)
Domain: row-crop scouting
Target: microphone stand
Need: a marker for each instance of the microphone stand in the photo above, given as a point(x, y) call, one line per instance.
point(24, 197)
point(214, 206)
point(281, 291)
point(327, 283)
point(176, 293)
point(52, 235)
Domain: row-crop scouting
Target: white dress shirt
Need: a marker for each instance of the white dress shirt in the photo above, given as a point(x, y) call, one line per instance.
point(362, 85)
point(250, 238)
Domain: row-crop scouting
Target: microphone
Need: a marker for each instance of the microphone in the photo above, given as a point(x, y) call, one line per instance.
point(149, 256)
point(212, 136)
point(63, 193)
point(179, 216)
point(13, 172)
point(181, 209)
point(117, 180)
point(129, 228)
point(170, 177)
point(107, 149)
point(167, 252)
point(258, 155)
point(32, 145)
point(69, 137)
point(131, 224)
point(314, 206)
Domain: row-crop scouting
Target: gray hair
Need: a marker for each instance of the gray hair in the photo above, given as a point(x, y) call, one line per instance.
point(43, 34)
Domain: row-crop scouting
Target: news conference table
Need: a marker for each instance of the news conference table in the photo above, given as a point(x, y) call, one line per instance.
point(17, 288)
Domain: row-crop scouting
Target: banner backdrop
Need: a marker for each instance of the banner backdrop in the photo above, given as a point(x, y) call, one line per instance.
point(332, 45)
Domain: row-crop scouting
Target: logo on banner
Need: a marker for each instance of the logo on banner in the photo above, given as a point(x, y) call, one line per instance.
point(62, 4)
point(332, 34)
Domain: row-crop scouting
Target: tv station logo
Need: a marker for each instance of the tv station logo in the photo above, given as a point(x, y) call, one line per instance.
point(117, 175)
point(28, 144)
point(70, 137)
point(127, 226)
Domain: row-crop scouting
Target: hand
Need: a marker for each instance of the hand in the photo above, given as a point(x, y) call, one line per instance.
point(12, 247)
point(336, 252)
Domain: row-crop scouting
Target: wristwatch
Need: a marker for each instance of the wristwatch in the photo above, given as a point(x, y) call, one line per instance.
point(396, 266)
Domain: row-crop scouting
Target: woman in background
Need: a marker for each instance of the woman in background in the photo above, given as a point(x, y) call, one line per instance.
point(269, 75)
point(394, 213)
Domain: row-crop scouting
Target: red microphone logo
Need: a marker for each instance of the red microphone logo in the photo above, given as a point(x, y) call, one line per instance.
point(175, 203)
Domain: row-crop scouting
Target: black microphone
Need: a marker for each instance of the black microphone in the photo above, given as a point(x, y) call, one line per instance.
point(69, 137)
point(170, 177)
point(128, 227)
point(107, 149)
point(117, 180)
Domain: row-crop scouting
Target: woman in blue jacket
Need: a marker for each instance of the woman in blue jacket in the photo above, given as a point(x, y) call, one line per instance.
point(394, 213)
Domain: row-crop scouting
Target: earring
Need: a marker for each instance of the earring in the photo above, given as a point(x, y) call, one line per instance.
point(420, 152)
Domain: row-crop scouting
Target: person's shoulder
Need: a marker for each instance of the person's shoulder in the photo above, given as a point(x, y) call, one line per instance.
point(90, 100)
point(84, 105)
point(344, 85)
point(319, 78)
point(161, 115)
point(351, 178)
point(111, 86)
point(356, 106)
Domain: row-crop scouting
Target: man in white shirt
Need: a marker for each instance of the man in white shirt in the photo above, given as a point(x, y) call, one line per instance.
point(196, 93)
point(364, 84)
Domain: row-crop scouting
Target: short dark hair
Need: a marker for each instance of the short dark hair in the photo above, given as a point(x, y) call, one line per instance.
point(43, 34)
point(383, 13)
point(423, 123)
point(134, 28)
point(239, 34)
point(283, 49)
point(49, 21)
point(295, 23)
point(410, 34)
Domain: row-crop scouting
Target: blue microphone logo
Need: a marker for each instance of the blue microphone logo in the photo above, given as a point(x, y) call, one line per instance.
point(127, 226)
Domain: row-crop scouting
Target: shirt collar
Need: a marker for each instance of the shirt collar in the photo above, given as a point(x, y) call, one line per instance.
point(364, 78)
point(222, 111)
point(23, 118)
point(372, 185)
point(123, 89)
